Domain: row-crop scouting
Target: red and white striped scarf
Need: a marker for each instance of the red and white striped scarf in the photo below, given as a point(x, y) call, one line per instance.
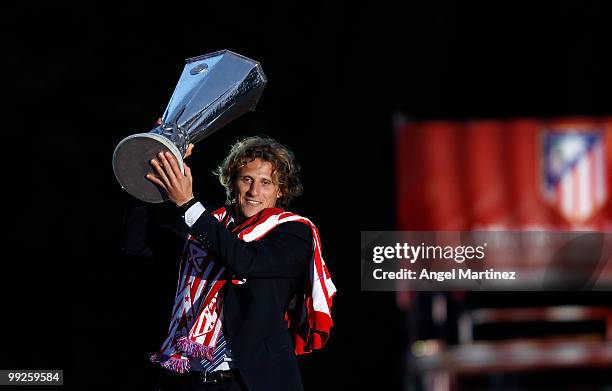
point(197, 315)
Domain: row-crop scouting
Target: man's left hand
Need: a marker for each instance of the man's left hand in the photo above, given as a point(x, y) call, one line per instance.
point(169, 176)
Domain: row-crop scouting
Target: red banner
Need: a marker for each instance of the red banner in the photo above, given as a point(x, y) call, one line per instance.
point(527, 174)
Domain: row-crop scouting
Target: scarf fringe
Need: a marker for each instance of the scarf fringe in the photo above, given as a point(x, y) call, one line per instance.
point(194, 349)
point(174, 364)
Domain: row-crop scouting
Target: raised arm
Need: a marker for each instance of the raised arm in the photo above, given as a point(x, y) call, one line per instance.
point(283, 253)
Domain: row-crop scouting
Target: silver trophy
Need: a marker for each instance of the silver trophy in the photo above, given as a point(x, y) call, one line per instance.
point(214, 89)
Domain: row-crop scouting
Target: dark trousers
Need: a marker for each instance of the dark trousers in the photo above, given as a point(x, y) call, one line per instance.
point(170, 381)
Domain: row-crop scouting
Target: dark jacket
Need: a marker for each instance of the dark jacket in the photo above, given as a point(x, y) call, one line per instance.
point(275, 268)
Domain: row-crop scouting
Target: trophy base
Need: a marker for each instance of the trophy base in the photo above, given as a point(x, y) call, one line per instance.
point(131, 164)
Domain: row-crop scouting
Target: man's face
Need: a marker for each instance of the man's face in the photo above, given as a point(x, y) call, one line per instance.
point(255, 189)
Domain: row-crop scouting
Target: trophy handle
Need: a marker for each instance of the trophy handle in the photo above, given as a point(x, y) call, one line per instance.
point(131, 164)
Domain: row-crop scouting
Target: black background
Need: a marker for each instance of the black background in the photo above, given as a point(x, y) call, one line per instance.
point(83, 76)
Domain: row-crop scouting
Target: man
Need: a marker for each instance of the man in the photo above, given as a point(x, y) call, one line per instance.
point(253, 287)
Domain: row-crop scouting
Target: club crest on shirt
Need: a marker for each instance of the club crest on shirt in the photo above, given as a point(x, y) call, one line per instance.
point(574, 171)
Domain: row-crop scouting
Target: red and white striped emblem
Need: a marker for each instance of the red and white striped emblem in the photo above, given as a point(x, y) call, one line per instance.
point(574, 172)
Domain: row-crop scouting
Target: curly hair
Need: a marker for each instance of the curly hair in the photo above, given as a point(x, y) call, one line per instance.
point(285, 172)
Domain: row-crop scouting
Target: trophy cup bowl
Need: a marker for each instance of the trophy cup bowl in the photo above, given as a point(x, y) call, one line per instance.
point(213, 90)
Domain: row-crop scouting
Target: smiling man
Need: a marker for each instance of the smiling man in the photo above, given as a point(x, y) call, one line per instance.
point(253, 290)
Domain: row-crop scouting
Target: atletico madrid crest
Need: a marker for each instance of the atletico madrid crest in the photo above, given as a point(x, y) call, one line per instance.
point(574, 172)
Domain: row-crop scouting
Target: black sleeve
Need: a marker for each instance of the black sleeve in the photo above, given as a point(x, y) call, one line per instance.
point(283, 253)
point(145, 224)
point(135, 231)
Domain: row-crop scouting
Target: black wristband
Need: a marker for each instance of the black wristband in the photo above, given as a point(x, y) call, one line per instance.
point(185, 207)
